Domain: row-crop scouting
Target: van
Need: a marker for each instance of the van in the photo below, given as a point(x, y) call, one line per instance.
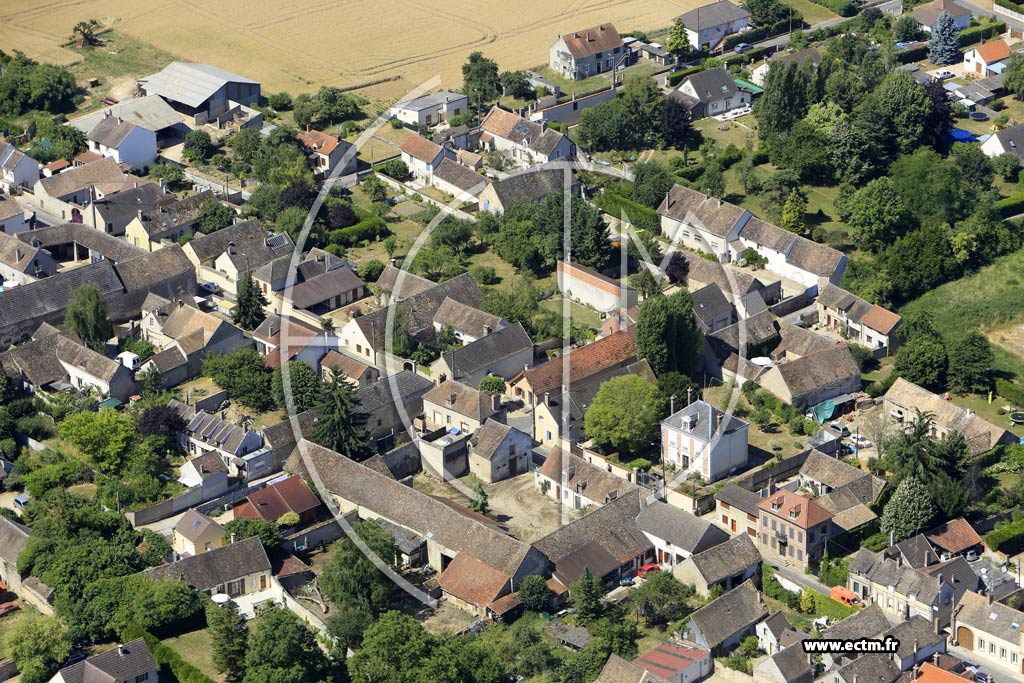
point(844, 595)
point(20, 502)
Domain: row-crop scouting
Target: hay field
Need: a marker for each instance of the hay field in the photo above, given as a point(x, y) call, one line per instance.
point(300, 45)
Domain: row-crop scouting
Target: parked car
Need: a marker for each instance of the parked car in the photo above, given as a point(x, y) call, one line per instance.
point(943, 74)
point(20, 502)
point(742, 47)
point(844, 595)
point(648, 569)
point(839, 428)
point(8, 607)
point(209, 287)
point(860, 442)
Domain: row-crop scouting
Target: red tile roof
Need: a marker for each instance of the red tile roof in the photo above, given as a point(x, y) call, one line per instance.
point(290, 495)
point(592, 40)
point(881, 319)
point(993, 51)
point(954, 536)
point(586, 361)
point(315, 141)
point(474, 581)
point(421, 148)
point(668, 659)
point(799, 509)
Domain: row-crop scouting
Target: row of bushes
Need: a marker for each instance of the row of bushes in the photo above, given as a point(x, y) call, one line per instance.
point(843, 8)
point(677, 77)
point(1011, 5)
point(764, 32)
point(750, 56)
point(639, 215)
point(914, 54)
point(1014, 393)
point(1011, 206)
point(369, 229)
point(1008, 537)
point(976, 34)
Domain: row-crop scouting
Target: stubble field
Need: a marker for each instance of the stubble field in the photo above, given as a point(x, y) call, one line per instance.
point(300, 45)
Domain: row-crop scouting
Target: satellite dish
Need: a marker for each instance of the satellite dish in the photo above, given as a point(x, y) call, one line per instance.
point(221, 599)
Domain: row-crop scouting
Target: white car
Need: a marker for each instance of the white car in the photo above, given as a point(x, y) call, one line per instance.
point(943, 74)
point(209, 287)
point(860, 442)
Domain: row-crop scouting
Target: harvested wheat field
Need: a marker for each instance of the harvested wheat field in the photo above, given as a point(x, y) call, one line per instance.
point(300, 45)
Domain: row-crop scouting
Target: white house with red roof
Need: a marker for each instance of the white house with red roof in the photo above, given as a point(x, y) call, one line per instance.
point(987, 59)
point(423, 156)
point(326, 153)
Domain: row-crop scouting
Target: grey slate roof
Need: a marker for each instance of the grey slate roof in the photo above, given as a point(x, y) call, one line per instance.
point(13, 538)
point(152, 268)
point(710, 421)
point(216, 567)
point(80, 356)
point(831, 472)
point(37, 359)
point(182, 213)
point(489, 438)
point(208, 428)
point(485, 351)
point(462, 177)
point(429, 100)
point(914, 634)
point(793, 665)
point(10, 156)
point(714, 14)
point(730, 613)
point(467, 319)
point(697, 208)
point(709, 303)
point(50, 295)
point(190, 83)
point(123, 663)
point(407, 384)
point(150, 112)
point(680, 528)
point(249, 237)
point(531, 186)
point(997, 619)
point(713, 84)
point(108, 246)
point(917, 551)
point(740, 498)
point(325, 286)
point(755, 330)
point(867, 623)
point(111, 131)
point(721, 561)
point(410, 285)
point(870, 668)
point(194, 524)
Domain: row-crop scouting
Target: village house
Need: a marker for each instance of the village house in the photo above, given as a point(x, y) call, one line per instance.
point(904, 399)
point(789, 665)
point(151, 113)
point(987, 59)
point(12, 216)
point(674, 661)
point(577, 484)
point(88, 370)
point(737, 511)
point(776, 634)
point(844, 491)
point(290, 495)
point(586, 53)
point(457, 406)
point(502, 353)
point(201, 91)
point(727, 565)
point(422, 156)
point(703, 223)
point(207, 474)
point(125, 142)
point(526, 142)
point(352, 370)
point(1005, 140)
point(734, 283)
point(395, 284)
point(819, 376)
point(498, 451)
point(677, 534)
point(240, 450)
point(459, 181)
point(990, 631)
point(68, 194)
point(127, 663)
point(225, 257)
point(619, 670)
point(450, 531)
point(868, 667)
point(702, 439)
point(392, 404)
point(591, 288)
point(113, 213)
point(708, 26)
point(194, 533)
point(167, 223)
point(239, 570)
point(531, 186)
point(13, 540)
point(919, 641)
point(17, 169)
point(606, 541)
point(318, 287)
point(724, 622)
point(22, 263)
point(928, 14)
point(711, 92)
point(365, 336)
point(866, 324)
point(430, 109)
point(867, 622)
point(466, 323)
point(759, 74)
point(293, 338)
point(326, 153)
point(955, 537)
point(711, 309)
point(793, 528)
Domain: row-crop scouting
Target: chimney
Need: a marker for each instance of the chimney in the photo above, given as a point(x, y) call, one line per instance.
point(181, 303)
point(935, 658)
point(989, 593)
point(672, 404)
point(393, 262)
point(17, 253)
point(689, 396)
point(119, 120)
point(668, 200)
point(120, 650)
point(451, 399)
point(487, 330)
point(139, 214)
point(232, 538)
point(719, 423)
point(547, 398)
point(495, 402)
point(771, 486)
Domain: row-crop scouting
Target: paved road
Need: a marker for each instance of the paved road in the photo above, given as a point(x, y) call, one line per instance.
point(806, 580)
point(998, 674)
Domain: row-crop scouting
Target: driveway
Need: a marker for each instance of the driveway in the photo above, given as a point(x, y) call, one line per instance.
point(519, 503)
point(7, 500)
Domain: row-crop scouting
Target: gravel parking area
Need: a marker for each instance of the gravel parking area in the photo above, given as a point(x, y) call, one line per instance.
point(519, 503)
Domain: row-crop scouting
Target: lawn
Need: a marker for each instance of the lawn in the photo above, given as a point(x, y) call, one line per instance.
point(813, 14)
point(779, 440)
point(579, 313)
point(726, 132)
point(117, 63)
point(987, 300)
point(194, 648)
point(580, 87)
point(8, 623)
point(989, 411)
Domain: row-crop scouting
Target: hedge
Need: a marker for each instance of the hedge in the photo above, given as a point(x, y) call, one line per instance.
point(677, 77)
point(750, 56)
point(1014, 393)
point(1011, 206)
point(370, 229)
point(843, 8)
point(1010, 5)
point(915, 54)
point(754, 35)
point(1008, 537)
point(976, 34)
point(639, 215)
point(165, 656)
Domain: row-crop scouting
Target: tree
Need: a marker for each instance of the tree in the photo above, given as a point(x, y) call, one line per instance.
point(644, 282)
point(105, 436)
point(1007, 165)
point(478, 503)
point(280, 101)
point(534, 593)
point(661, 598)
point(304, 386)
point(375, 189)
point(906, 107)
point(86, 314)
point(282, 649)
point(678, 43)
point(667, 334)
point(249, 313)
point(347, 624)
point(229, 639)
point(198, 145)
point(351, 579)
point(245, 527)
point(161, 421)
point(906, 28)
point(340, 427)
point(393, 651)
point(291, 221)
point(85, 31)
point(244, 375)
point(970, 363)
point(38, 646)
point(975, 166)
point(516, 84)
point(1013, 76)
point(651, 180)
point(766, 12)
point(675, 122)
point(625, 413)
point(793, 213)
point(452, 233)
point(923, 362)
point(395, 168)
point(944, 41)
point(332, 105)
point(492, 384)
point(480, 80)
point(586, 594)
point(908, 511)
point(877, 214)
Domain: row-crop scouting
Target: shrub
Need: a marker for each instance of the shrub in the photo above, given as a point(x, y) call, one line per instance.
point(976, 34)
point(1014, 393)
point(395, 168)
point(370, 229)
point(843, 8)
point(1006, 537)
point(1011, 206)
point(371, 270)
point(484, 275)
point(280, 101)
point(395, 123)
point(640, 216)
